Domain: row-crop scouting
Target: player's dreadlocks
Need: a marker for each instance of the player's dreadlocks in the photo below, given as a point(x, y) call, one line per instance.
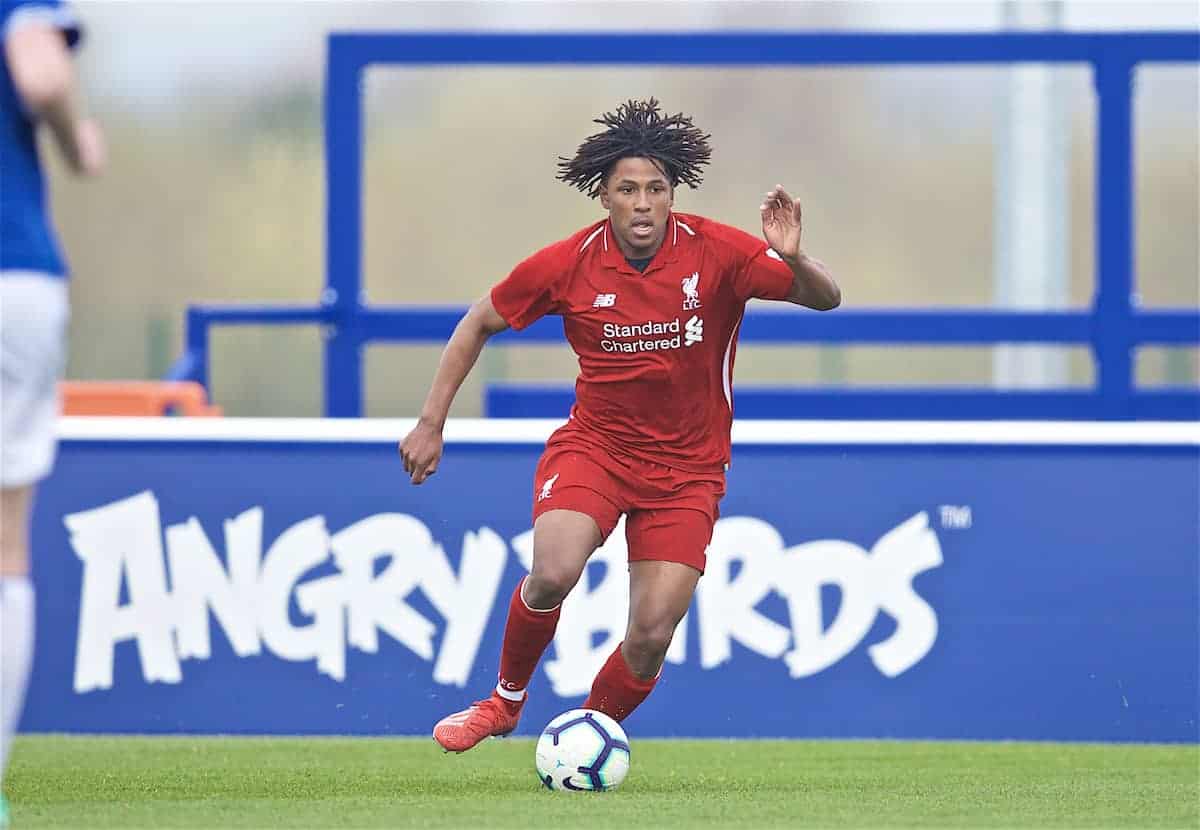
point(638, 129)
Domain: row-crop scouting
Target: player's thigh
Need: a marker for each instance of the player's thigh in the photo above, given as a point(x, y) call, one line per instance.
point(575, 508)
point(33, 320)
point(666, 560)
point(671, 534)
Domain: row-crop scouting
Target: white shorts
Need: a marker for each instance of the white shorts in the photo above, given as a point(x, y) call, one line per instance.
point(34, 312)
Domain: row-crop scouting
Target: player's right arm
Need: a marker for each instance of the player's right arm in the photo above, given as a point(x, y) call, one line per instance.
point(527, 294)
point(39, 63)
point(421, 449)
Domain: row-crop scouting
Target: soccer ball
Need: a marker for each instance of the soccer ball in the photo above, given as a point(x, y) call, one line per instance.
point(582, 750)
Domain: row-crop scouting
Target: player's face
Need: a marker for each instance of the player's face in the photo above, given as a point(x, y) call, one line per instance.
point(638, 198)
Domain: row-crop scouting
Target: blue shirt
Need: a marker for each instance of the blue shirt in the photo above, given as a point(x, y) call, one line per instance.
point(27, 238)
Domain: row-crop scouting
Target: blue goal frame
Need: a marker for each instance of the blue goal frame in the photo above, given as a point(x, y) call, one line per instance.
point(1113, 327)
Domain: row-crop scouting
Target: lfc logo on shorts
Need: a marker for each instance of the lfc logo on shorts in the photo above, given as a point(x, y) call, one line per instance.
point(691, 291)
point(545, 494)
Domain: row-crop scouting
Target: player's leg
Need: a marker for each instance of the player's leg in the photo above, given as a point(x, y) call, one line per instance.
point(666, 553)
point(562, 542)
point(659, 596)
point(572, 519)
point(33, 319)
point(16, 612)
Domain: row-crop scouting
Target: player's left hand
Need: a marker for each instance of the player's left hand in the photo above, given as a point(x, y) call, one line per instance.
point(421, 450)
point(781, 222)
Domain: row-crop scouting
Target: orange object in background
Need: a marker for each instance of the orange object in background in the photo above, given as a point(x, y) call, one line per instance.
point(135, 397)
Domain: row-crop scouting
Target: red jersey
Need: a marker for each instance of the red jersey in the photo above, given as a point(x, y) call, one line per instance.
point(655, 348)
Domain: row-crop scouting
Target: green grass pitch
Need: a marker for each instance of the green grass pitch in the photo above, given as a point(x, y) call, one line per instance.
point(94, 782)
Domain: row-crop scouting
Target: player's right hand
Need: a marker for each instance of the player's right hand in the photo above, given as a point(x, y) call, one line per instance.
point(421, 450)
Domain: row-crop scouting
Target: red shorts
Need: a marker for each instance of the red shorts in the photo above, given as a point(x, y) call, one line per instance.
point(670, 512)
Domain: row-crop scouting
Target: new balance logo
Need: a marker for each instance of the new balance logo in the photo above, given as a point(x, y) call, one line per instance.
point(693, 331)
point(605, 301)
point(545, 494)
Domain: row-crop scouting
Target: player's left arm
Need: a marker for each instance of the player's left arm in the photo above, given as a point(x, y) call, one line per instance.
point(37, 52)
point(812, 284)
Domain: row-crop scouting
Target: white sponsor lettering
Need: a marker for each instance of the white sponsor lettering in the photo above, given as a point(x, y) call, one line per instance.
point(352, 584)
point(249, 601)
point(641, 329)
point(597, 609)
point(869, 582)
point(619, 339)
point(122, 539)
point(635, 346)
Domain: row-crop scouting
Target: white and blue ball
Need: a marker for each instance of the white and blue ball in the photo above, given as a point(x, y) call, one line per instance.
point(582, 751)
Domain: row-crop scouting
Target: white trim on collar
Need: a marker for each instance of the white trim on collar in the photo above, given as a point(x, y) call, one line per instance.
point(591, 236)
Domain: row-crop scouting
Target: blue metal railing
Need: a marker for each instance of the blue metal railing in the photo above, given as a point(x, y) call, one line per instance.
point(1113, 327)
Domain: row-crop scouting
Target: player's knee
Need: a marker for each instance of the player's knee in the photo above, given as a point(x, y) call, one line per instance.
point(646, 644)
point(548, 585)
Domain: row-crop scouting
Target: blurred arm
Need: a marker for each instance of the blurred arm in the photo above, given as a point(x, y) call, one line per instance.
point(43, 75)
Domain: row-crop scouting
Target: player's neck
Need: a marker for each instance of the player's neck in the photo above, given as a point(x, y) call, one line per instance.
point(643, 252)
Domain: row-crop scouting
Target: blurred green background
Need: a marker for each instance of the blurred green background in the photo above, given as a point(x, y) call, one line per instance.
point(215, 190)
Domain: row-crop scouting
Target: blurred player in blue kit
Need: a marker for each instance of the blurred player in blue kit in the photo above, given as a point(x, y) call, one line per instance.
point(37, 89)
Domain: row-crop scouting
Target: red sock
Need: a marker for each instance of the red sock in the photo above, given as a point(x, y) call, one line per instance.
point(526, 636)
point(616, 691)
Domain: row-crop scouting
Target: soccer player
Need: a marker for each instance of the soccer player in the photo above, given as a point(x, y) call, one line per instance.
point(651, 301)
point(37, 86)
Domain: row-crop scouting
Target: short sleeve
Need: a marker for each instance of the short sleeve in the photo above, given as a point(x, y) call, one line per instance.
point(757, 270)
point(17, 13)
point(533, 288)
point(765, 275)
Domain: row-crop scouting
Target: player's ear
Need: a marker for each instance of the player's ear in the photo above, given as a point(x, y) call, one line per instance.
point(604, 200)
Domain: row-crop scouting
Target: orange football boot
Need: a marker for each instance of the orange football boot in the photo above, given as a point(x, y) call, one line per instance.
point(492, 716)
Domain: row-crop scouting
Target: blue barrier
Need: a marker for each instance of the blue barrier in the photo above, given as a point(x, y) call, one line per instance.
point(1113, 328)
point(965, 581)
point(756, 402)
